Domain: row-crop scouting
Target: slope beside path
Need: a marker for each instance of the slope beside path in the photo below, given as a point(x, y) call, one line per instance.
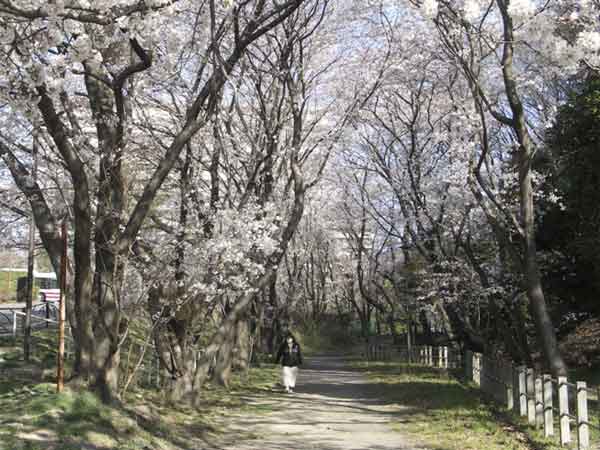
point(333, 408)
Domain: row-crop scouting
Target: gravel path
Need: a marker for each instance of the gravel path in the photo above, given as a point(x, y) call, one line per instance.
point(333, 408)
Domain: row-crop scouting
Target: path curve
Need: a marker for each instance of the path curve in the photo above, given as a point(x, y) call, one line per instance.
point(333, 408)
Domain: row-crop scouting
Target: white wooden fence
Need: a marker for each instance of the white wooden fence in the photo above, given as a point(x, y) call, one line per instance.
point(555, 405)
point(563, 409)
point(442, 357)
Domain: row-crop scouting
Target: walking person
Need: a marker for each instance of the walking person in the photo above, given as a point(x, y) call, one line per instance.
point(291, 357)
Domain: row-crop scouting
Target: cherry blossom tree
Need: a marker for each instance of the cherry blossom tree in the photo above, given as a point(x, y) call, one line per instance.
point(76, 72)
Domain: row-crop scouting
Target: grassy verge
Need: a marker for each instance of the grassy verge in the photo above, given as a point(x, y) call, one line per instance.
point(34, 417)
point(446, 414)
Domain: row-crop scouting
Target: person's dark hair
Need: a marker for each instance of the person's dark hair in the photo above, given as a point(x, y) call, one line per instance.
point(290, 335)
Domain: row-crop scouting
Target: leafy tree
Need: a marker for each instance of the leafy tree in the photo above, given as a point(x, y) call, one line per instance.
point(571, 224)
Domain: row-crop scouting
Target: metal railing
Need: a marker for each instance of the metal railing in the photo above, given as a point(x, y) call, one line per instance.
point(137, 355)
point(12, 320)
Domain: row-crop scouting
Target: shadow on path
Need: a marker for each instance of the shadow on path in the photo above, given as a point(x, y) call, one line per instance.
point(333, 408)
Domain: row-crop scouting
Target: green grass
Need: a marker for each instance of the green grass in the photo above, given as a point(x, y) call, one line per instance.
point(35, 417)
point(445, 414)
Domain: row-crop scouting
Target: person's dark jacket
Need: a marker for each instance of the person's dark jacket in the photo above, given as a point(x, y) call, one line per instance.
point(289, 357)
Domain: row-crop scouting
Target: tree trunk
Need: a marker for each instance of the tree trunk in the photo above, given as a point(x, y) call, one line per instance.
point(533, 282)
point(224, 360)
point(392, 324)
point(364, 324)
point(243, 346)
point(180, 385)
point(84, 311)
point(107, 354)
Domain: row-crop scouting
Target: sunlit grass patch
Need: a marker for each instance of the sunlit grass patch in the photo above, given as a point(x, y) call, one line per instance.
point(34, 417)
point(256, 382)
point(445, 414)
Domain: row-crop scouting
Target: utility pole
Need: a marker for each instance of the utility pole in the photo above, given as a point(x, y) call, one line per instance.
point(60, 366)
point(30, 261)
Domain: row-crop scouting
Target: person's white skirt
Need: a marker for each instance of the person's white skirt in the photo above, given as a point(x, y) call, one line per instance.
point(289, 375)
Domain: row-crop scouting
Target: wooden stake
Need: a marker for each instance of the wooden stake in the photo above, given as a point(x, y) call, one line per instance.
point(60, 366)
point(530, 396)
point(583, 429)
point(548, 408)
point(539, 401)
point(563, 408)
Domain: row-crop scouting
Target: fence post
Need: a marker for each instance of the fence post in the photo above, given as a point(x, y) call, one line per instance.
point(563, 410)
point(509, 379)
point(583, 430)
point(539, 402)
point(14, 324)
point(548, 412)
point(522, 375)
point(477, 368)
point(446, 365)
point(530, 397)
point(469, 365)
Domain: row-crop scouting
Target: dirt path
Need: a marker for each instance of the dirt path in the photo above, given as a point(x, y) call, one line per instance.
point(334, 408)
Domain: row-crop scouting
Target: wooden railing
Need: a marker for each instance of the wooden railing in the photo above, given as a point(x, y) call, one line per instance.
point(555, 405)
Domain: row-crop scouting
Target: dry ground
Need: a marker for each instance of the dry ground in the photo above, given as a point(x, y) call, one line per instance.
point(333, 408)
